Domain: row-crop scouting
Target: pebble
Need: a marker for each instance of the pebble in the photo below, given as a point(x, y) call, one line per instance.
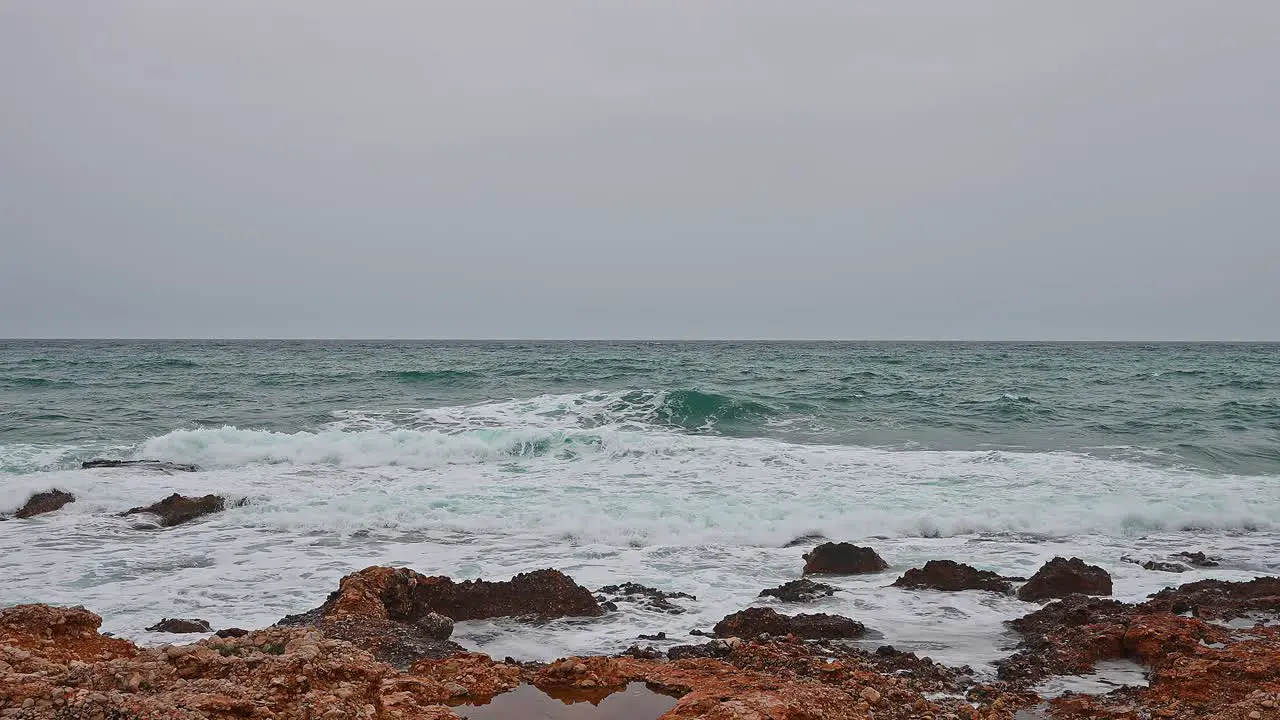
point(1255, 715)
point(870, 694)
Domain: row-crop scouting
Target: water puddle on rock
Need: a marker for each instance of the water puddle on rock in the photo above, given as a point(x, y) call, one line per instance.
point(636, 702)
point(1107, 675)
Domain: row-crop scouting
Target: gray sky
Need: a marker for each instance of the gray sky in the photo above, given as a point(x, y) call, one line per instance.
point(663, 168)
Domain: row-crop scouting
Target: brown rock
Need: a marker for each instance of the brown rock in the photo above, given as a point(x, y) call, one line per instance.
point(177, 509)
point(45, 502)
point(1061, 577)
point(753, 622)
point(951, 576)
point(232, 633)
point(1219, 599)
point(844, 559)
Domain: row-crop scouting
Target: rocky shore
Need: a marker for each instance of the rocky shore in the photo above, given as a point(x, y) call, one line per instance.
point(379, 648)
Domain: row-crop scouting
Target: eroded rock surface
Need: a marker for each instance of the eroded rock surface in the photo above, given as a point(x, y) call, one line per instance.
point(177, 509)
point(44, 502)
point(803, 590)
point(753, 622)
point(181, 625)
point(646, 597)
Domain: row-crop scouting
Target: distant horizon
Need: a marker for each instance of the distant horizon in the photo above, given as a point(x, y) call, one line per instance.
point(1044, 341)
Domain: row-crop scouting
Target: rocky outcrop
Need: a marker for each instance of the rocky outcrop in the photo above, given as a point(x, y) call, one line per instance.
point(754, 622)
point(803, 590)
point(139, 464)
point(45, 502)
point(950, 576)
point(842, 559)
point(1199, 559)
point(1061, 577)
point(177, 509)
point(388, 610)
point(646, 597)
point(1221, 600)
point(181, 625)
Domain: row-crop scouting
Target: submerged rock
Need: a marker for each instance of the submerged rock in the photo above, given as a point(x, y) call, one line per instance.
point(753, 622)
point(181, 625)
point(803, 590)
point(647, 597)
point(843, 559)
point(1199, 559)
point(952, 576)
point(1061, 577)
point(45, 502)
point(144, 464)
point(1164, 566)
point(177, 509)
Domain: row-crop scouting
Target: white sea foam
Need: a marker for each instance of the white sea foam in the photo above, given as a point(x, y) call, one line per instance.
point(492, 490)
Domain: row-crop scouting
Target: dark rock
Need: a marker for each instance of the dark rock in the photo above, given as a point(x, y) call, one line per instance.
point(952, 576)
point(1164, 566)
point(180, 625)
point(1065, 637)
point(611, 607)
point(1061, 577)
point(1198, 559)
point(177, 509)
point(701, 633)
point(144, 464)
point(803, 590)
point(753, 622)
point(435, 626)
point(232, 633)
point(643, 653)
point(659, 636)
point(843, 559)
point(45, 502)
point(713, 649)
point(1220, 599)
point(646, 597)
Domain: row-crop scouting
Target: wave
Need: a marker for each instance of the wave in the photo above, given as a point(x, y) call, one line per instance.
point(690, 409)
point(37, 382)
point(435, 377)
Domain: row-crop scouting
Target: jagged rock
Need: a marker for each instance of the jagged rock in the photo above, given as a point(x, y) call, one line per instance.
point(647, 597)
point(713, 649)
point(1220, 599)
point(803, 590)
point(1164, 566)
point(952, 576)
point(181, 625)
point(842, 559)
point(45, 502)
point(753, 622)
point(1061, 577)
point(659, 636)
point(177, 509)
point(232, 633)
point(143, 464)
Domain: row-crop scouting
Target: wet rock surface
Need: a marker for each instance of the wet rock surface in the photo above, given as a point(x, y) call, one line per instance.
point(1198, 559)
point(754, 622)
point(799, 591)
point(139, 464)
point(1061, 577)
point(842, 559)
point(181, 625)
point(177, 509)
point(950, 576)
point(1221, 600)
point(646, 597)
point(44, 502)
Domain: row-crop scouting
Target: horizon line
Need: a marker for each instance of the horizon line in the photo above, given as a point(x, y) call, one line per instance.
point(636, 339)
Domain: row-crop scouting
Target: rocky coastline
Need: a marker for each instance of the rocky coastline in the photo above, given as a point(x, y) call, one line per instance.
point(378, 648)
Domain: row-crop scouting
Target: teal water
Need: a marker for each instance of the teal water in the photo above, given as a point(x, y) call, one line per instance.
point(687, 466)
point(1211, 406)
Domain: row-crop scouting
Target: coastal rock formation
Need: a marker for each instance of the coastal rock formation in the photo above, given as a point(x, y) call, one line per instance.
point(952, 576)
point(177, 509)
point(181, 625)
point(803, 590)
point(388, 611)
point(753, 622)
point(842, 559)
point(1199, 559)
point(1061, 577)
point(142, 464)
point(45, 502)
point(646, 597)
point(1221, 600)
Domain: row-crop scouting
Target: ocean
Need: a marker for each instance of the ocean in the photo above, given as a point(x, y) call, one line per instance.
point(685, 466)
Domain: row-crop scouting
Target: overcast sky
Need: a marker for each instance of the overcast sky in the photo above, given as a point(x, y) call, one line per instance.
point(651, 168)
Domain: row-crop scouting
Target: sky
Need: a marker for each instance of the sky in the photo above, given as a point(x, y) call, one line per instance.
point(660, 169)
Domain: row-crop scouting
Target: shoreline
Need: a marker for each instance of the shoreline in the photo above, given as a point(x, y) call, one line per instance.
point(378, 648)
